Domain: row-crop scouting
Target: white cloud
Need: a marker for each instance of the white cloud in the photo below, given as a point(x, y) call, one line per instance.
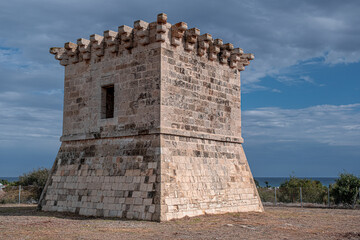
point(20, 124)
point(292, 80)
point(334, 57)
point(327, 124)
point(10, 96)
point(328, 23)
point(276, 90)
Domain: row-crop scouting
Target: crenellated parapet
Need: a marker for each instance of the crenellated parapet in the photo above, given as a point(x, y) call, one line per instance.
point(114, 43)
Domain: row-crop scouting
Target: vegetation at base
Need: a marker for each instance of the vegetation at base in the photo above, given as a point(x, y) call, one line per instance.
point(36, 178)
point(312, 191)
point(32, 185)
point(28, 195)
point(346, 189)
point(4, 182)
point(266, 194)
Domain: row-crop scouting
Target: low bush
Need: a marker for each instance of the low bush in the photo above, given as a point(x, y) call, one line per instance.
point(32, 185)
point(4, 182)
point(266, 194)
point(345, 189)
point(36, 178)
point(312, 191)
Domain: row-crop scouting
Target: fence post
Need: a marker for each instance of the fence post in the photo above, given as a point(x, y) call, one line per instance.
point(19, 193)
point(355, 198)
point(301, 197)
point(329, 196)
point(275, 196)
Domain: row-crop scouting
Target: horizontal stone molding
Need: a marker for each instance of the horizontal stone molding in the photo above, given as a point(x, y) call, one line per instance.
point(142, 34)
point(212, 137)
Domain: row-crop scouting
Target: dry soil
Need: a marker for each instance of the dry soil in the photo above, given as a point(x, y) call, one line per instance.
point(24, 222)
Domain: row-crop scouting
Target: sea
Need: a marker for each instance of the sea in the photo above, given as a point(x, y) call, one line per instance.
point(272, 181)
point(276, 181)
point(10, 179)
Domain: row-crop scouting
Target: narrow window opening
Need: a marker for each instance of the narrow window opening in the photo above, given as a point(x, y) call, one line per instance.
point(107, 101)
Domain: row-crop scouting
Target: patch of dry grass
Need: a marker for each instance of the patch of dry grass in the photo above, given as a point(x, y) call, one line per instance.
point(11, 194)
point(24, 222)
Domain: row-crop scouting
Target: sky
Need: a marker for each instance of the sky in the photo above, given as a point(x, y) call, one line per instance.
point(300, 96)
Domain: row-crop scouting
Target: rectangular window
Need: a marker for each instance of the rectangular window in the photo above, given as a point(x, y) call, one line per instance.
point(107, 101)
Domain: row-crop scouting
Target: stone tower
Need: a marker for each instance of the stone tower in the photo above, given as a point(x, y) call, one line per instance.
point(152, 126)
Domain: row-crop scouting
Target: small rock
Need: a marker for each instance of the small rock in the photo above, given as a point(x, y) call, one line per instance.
point(248, 227)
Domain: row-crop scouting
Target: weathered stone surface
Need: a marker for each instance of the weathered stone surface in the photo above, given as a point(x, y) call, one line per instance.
point(171, 145)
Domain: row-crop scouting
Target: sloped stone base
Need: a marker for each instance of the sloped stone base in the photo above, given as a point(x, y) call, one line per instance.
point(106, 178)
point(135, 178)
point(205, 176)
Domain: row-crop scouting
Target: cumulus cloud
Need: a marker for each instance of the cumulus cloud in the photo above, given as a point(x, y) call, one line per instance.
point(281, 34)
point(326, 124)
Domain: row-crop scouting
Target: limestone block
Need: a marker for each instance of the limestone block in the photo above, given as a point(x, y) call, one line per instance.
point(111, 40)
point(97, 44)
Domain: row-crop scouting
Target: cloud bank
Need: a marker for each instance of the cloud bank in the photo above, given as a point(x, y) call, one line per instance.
point(326, 124)
point(283, 35)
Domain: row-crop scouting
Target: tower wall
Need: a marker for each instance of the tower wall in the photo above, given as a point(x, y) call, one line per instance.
point(203, 167)
point(110, 166)
point(136, 79)
point(165, 141)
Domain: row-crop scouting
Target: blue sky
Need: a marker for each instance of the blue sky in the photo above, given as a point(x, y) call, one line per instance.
point(301, 94)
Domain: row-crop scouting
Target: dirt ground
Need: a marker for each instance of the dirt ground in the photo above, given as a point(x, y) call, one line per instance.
point(24, 222)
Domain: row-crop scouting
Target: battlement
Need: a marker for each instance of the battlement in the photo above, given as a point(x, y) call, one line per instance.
point(142, 34)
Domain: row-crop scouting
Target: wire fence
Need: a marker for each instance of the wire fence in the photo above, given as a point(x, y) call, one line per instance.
point(19, 194)
point(278, 196)
point(309, 197)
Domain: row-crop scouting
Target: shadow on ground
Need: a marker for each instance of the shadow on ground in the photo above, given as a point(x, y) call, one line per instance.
point(31, 210)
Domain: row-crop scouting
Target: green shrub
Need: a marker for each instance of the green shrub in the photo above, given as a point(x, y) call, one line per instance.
point(36, 178)
point(345, 188)
point(7, 183)
point(266, 194)
point(312, 191)
point(4, 182)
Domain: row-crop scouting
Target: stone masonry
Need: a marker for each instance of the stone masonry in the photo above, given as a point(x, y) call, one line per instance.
point(152, 126)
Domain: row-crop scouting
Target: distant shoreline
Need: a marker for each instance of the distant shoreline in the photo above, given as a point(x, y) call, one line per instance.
point(10, 179)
